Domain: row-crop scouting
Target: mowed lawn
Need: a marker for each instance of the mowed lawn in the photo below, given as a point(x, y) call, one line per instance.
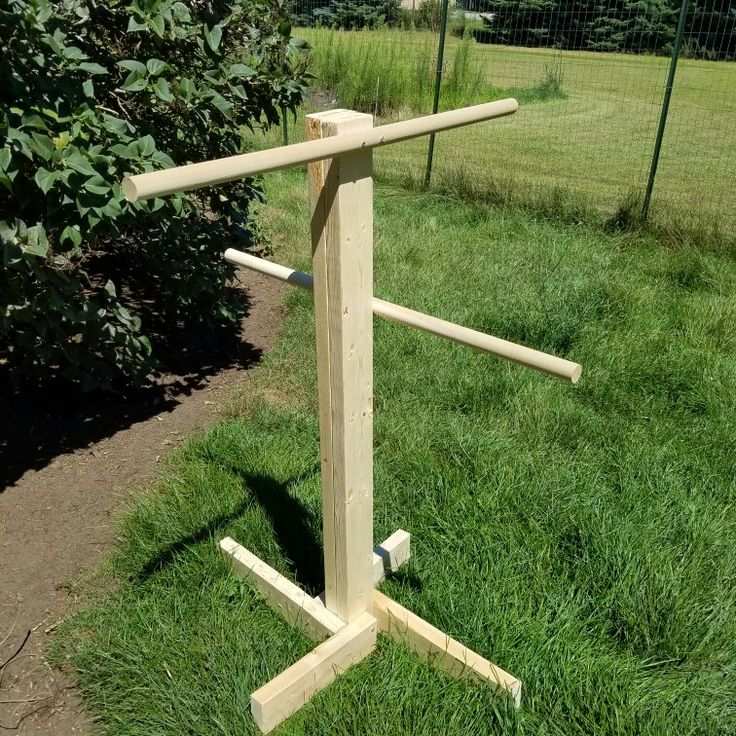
point(596, 142)
point(583, 538)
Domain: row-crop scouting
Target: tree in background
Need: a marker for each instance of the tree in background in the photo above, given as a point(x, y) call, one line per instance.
point(90, 92)
point(347, 14)
point(616, 25)
point(710, 31)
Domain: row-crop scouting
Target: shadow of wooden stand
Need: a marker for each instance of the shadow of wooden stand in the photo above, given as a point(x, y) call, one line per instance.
point(347, 617)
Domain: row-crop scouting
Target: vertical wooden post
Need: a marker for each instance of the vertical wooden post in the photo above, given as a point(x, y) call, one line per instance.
point(341, 191)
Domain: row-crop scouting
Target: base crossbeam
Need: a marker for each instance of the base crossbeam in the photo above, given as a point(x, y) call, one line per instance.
point(289, 691)
point(438, 648)
point(281, 594)
point(344, 644)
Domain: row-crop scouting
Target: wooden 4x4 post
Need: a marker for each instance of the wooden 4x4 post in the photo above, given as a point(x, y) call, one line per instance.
point(341, 194)
point(348, 617)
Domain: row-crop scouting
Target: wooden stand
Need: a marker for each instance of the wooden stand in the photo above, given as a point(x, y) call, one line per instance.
point(353, 612)
point(346, 619)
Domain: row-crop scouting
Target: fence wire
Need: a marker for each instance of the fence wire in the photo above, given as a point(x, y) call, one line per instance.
point(590, 79)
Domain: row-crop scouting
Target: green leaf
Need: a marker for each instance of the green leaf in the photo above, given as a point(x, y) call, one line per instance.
point(147, 145)
point(146, 343)
point(97, 189)
point(75, 160)
point(116, 125)
point(213, 36)
point(133, 66)
point(93, 68)
point(162, 158)
point(129, 151)
point(8, 230)
point(158, 25)
point(88, 88)
point(22, 139)
point(53, 44)
point(37, 243)
point(73, 53)
point(299, 43)
point(110, 289)
point(239, 91)
point(240, 70)
point(156, 66)
point(134, 82)
point(181, 12)
point(187, 87)
point(213, 77)
point(136, 25)
point(45, 179)
point(162, 90)
point(71, 233)
point(285, 28)
point(221, 104)
point(5, 158)
point(112, 209)
point(42, 145)
point(33, 121)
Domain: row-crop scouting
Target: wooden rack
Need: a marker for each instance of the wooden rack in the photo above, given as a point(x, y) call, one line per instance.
point(346, 619)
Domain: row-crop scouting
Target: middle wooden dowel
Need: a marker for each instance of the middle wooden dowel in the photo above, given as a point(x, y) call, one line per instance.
point(561, 368)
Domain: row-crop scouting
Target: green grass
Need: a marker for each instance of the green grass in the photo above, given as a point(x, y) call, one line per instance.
point(592, 138)
point(583, 538)
point(392, 73)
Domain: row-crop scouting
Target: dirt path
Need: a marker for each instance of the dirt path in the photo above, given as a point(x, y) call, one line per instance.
point(69, 464)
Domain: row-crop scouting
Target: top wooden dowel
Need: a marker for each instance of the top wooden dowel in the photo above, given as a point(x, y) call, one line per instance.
point(210, 173)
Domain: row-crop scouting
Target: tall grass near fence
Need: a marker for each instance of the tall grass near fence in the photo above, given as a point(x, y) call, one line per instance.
point(366, 73)
point(379, 72)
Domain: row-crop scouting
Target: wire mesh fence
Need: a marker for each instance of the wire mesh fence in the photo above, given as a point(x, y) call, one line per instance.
point(590, 79)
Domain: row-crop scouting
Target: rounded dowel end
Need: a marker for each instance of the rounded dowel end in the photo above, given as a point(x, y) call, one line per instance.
point(130, 191)
point(575, 375)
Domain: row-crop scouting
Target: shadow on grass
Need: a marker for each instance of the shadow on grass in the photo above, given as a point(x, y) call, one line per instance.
point(294, 529)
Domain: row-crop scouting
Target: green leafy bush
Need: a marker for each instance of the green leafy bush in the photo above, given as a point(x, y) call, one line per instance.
point(92, 91)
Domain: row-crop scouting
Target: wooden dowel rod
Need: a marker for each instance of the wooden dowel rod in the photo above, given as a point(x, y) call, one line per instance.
point(209, 173)
point(536, 359)
point(566, 370)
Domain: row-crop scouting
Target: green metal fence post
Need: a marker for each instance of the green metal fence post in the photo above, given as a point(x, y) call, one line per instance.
point(665, 108)
point(437, 85)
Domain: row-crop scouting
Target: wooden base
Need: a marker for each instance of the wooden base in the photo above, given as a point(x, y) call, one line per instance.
point(289, 691)
point(344, 644)
point(438, 648)
point(281, 594)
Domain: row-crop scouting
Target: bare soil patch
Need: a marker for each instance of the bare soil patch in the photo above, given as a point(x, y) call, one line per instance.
point(68, 464)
